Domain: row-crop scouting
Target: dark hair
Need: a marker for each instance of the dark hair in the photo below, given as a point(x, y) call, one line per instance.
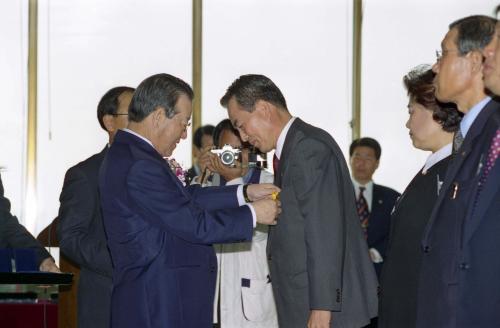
point(419, 84)
point(108, 105)
point(366, 142)
point(222, 126)
point(474, 32)
point(248, 89)
point(160, 90)
point(200, 132)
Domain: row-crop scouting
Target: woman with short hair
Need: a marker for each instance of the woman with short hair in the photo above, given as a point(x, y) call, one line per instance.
point(431, 126)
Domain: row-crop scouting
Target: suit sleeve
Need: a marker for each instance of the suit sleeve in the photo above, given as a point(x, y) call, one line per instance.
point(204, 196)
point(78, 205)
point(315, 172)
point(15, 235)
point(167, 206)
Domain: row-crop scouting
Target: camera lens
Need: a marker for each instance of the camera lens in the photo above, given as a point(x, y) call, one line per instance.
point(227, 157)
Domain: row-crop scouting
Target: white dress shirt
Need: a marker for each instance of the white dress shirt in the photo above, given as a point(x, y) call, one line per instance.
point(368, 193)
point(437, 156)
point(281, 139)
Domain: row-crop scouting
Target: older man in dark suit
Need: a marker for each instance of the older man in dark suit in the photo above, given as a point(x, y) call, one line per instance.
point(80, 229)
point(373, 201)
point(320, 268)
point(160, 232)
point(459, 285)
point(15, 235)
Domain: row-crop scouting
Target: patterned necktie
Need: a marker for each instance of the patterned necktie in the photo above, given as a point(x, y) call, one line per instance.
point(458, 138)
point(492, 157)
point(490, 162)
point(276, 164)
point(363, 212)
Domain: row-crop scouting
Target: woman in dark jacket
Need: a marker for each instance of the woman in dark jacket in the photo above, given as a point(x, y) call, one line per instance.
point(431, 126)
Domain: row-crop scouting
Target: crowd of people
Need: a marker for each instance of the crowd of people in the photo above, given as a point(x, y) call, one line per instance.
point(312, 245)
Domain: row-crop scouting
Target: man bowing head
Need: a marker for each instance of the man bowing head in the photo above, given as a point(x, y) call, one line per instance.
point(160, 232)
point(318, 258)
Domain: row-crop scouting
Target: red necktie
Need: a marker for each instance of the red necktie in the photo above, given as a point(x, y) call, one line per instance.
point(363, 211)
point(276, 164)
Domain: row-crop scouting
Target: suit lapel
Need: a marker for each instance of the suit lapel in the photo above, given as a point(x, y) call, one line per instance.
point(144, 148)
point(478, 210)
point(290, 142)
point(457, 162)
point(377, 198)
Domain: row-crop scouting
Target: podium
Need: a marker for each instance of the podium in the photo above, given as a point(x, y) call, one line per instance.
point(29, 299)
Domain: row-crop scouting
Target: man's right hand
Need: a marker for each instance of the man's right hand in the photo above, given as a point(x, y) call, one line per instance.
point(267, 211)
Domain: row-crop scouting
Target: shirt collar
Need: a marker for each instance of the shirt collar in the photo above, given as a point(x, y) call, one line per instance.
point(437, 156)
point(367, 193)
point(281, 139)
point(139, 136)
point(471, 115)
point(367, 186)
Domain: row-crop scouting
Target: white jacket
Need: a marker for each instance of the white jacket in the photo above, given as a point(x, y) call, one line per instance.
point(243, 278)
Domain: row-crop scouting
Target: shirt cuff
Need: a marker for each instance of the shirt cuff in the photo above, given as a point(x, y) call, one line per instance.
point(241, 202)
point(254, 216)
point(241, 198)
point(375, 256)
point(236, 181)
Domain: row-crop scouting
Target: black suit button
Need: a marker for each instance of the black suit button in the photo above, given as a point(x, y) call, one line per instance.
point(213, 268)
point(464, 266)
point(269, 257)
point(427, 249)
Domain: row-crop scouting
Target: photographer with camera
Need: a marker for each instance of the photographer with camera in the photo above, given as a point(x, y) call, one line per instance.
point(244, 298)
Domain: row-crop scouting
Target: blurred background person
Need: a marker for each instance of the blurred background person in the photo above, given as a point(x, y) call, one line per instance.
point(80, 228)
point(244, 296)
point(373, 201)
point(202, 140)
point(431, 125)
point(15, 235)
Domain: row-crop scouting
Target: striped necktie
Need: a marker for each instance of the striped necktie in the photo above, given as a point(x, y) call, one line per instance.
point(363, 211)
point(458, 139)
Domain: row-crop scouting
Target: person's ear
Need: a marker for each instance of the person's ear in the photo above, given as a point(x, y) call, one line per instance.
point(157, 116)
point(109, 122)
point(476, 58)
point(264, 108)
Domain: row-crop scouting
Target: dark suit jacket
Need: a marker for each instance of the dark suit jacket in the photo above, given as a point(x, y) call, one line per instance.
point(190, 174)
point(459, 283)
point(379, 224)
point(15, 235)
point(318, 256)
point(82, 239)
point(160, 235)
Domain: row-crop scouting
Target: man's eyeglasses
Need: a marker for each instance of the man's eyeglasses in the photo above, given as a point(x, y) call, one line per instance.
point(441, 53)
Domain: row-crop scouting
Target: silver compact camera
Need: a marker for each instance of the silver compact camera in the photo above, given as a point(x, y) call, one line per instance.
point(228, 155)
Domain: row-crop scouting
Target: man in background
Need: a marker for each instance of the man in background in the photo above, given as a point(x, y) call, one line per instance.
point(321, 272)
point(15, 235)
point(202, 141)
point(459, 284)
point(80, 229)
point(374, 202)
